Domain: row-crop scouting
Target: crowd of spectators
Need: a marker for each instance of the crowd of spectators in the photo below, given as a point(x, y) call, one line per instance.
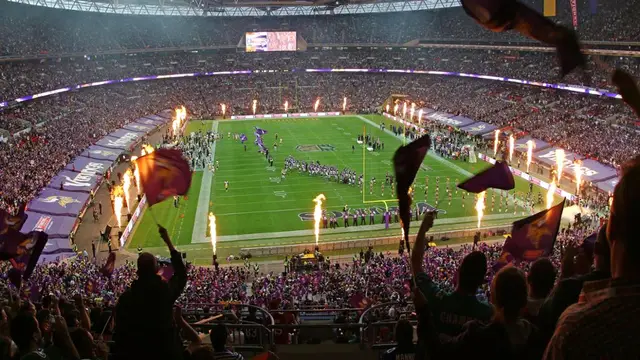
point(31, 30)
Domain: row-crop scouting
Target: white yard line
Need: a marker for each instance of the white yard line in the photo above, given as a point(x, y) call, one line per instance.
point(202, 211)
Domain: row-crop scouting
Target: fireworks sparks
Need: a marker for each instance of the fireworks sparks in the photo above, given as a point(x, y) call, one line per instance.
point(550, 193)
point(495, 142)
point(317, 215)
point(420, 116)
point(344, 104)
point(181, 116)
point(530, 146)
point(212, 233)
point(480, 206)
point(286, 106)
point(512, 144)
point(223, 107)
point(126, 187)
point(317, 103)
point(118, 203)
point(254, 106)
point(559, 163)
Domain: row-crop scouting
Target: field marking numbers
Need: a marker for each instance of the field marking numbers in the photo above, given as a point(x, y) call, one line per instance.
point(275, 180)
point(271, 168)
point(280, 193)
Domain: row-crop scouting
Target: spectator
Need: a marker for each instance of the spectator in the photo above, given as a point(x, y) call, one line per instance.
point(25, 332)
point(404, 350)
point(567, 291)
point(144, 313)
point(541, 278)
point(601, 324)
point(219, 339)
point(451, 311)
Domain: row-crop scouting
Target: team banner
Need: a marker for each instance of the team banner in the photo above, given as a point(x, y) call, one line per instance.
point(150, 122)
point(101, 153)
point(141, 128)
point(56, 247)
point(608, 185)
point(479, 128)
point(88, 166)
point(594, 171)
point(448, 119)
point(538, 145)
point(55, 226)
point(548, 157)
point(162, 119)
point(74, 181)
point(166, 113)
point(57, 202)
point(121, 139)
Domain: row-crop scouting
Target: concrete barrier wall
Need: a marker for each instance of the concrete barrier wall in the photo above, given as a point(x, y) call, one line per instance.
point(363, 243)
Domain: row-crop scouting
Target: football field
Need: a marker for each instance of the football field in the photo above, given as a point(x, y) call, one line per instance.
point(262, 208)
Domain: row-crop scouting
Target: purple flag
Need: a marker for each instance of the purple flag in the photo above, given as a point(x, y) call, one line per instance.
point(497, 176)
point(407, 161)
point(243, 138)
point(22, 250)
point(166, 272)
point(593, 6)
point(259, 131)
point(533, 237)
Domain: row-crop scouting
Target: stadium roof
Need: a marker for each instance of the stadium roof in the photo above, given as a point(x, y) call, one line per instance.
point(236, 8)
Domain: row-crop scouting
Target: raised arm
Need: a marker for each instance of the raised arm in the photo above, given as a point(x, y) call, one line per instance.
point(179, 279)
point(417, 256)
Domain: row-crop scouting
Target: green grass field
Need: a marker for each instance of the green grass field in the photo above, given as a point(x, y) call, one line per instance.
point(259, 201)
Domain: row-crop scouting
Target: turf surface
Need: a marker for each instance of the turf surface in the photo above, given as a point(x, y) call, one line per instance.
point(259, 201)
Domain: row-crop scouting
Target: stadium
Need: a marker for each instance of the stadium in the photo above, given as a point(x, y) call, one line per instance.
point(213, 179)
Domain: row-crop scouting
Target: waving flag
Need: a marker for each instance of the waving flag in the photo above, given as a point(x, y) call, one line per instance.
point(260, 132)
point(243, 138)
point(406, 163)
point(22, 250)
point(497, 176)
point(8, 221)
point(109, 266)
point(533, 237)
point(164, 173)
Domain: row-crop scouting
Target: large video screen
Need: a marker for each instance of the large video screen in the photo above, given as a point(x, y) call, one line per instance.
point(270, 41)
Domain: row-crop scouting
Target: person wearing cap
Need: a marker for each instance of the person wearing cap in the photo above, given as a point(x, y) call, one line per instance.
point(606, 318)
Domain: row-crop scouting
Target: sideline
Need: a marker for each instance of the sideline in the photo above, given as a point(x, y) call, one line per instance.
point(202, 211)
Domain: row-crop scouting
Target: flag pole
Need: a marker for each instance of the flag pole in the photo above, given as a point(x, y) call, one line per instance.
point(153, 216)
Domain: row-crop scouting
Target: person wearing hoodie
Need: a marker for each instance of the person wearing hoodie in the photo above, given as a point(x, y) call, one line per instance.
point(144, 327)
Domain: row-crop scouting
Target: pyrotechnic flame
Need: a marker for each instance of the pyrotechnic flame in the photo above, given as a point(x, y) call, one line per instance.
point(578, 175)
point(550, 193)
point(413, 111)
point(118, 203)
point(404, 109)
point(559, 162)
point(286, 106)
point(147, 149)
point(401, 233)
point(315, 106)
point(212, 232)
point(610, 199)
point(495, 142)
point(395, 109)
point(224, 109)
point(512, 143)
point(254, 106)
point(344, 104)
point(317, 215)
point(480, 206)
point(387, 108)
point(126, 187)
point(420, 116)
point(530, 146)
point(136, 173)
